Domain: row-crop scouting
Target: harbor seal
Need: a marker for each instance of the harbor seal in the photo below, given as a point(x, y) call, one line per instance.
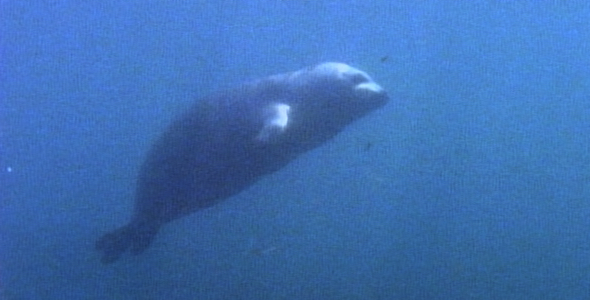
point(226, 142)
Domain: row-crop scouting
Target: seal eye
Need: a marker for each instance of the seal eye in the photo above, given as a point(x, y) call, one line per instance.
point(358, 78)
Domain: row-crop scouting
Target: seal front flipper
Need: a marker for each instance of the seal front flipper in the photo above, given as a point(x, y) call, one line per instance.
point(134, 236)
point(276, 119)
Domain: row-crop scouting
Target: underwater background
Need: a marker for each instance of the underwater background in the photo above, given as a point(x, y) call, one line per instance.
point(472, 183)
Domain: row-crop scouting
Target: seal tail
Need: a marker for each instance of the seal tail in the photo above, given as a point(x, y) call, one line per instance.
point(135, 237)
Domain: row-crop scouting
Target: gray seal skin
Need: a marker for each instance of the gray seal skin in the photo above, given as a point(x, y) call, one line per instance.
point(226, 142)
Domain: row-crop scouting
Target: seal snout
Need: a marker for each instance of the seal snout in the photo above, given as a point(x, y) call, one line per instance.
point(369, 87)
point(365, 88)
point(362, 84)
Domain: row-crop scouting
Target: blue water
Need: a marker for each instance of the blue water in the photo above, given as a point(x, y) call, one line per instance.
point(476, 186)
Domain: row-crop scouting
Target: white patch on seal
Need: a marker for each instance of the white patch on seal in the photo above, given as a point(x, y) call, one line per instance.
point(276, 119)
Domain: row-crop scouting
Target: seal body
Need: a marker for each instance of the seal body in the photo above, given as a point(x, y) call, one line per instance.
point(227, 141)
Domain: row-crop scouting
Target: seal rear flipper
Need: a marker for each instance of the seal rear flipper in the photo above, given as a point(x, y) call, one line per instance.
point(135, 237)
